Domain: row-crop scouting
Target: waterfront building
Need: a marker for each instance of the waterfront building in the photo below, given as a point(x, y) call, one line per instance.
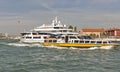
point(113, 32)
point(3, 35)
point(93, 32)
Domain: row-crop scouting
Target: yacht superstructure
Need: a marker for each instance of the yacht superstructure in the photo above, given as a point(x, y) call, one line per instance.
point(56, 27)
point(38, 34)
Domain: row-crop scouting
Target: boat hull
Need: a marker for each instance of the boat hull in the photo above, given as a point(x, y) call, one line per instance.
point(32, 40)
point(80, 45)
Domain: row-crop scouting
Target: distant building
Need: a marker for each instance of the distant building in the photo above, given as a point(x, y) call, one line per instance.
point(93, 32)
point(2, 35)
point(6, 36)
point(113, 32)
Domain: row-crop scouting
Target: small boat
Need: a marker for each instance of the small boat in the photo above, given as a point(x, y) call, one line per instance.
point(78, 41)
point(33, 37)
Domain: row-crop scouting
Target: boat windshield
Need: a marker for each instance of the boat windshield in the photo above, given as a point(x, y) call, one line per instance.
point(72, 37)
point(84, 37)
point(104, 42)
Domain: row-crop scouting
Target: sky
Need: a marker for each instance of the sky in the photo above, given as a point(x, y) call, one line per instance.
point(17, 16)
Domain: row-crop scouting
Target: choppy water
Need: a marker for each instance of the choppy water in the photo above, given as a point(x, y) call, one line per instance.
point(19, 57)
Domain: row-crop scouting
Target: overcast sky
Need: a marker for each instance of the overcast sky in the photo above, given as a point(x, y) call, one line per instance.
point(22, 15)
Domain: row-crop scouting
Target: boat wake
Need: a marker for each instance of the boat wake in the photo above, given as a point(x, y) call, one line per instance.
point(106, 47)
point(20, 44)
point(24, 45)
point(91, 48)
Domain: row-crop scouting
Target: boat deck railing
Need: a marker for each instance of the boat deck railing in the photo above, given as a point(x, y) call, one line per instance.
point(89, 41)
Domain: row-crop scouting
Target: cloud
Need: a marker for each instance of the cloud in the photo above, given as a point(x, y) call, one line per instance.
point(81, 13)
point(104, 1)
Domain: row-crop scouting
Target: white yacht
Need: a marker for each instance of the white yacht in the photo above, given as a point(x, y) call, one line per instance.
point(54, 29)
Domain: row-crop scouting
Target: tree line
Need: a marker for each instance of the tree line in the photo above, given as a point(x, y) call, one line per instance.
point(74, 28)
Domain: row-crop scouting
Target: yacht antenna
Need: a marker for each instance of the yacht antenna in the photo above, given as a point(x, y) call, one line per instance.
point(56, 19)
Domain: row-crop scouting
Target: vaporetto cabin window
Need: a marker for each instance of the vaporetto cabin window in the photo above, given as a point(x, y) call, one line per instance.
point(28, 37)
point(86, 41)
point(45, 40)
point(92, 41)
point(34, 33)
point(64, 30)
point(36, 37)
point(50, 40)
point(45, 37)
point(54, 41)
point(72, 37)
point(81, 41)
point(99, 41)
point(104, 42)
point(76, 41)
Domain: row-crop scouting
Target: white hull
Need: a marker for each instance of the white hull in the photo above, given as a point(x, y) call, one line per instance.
point(32, 40)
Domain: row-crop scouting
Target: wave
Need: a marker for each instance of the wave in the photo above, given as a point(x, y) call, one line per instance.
point(20, 44)
point(106, 47)
point(74, 48)
point(2, 43)
point(24, 45)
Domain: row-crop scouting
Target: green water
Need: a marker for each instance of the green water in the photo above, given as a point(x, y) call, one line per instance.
point(19, 57)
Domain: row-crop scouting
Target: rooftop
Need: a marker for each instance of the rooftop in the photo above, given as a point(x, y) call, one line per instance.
point(93, 30)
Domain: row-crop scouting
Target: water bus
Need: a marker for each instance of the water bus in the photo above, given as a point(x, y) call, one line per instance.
point(78, 41)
